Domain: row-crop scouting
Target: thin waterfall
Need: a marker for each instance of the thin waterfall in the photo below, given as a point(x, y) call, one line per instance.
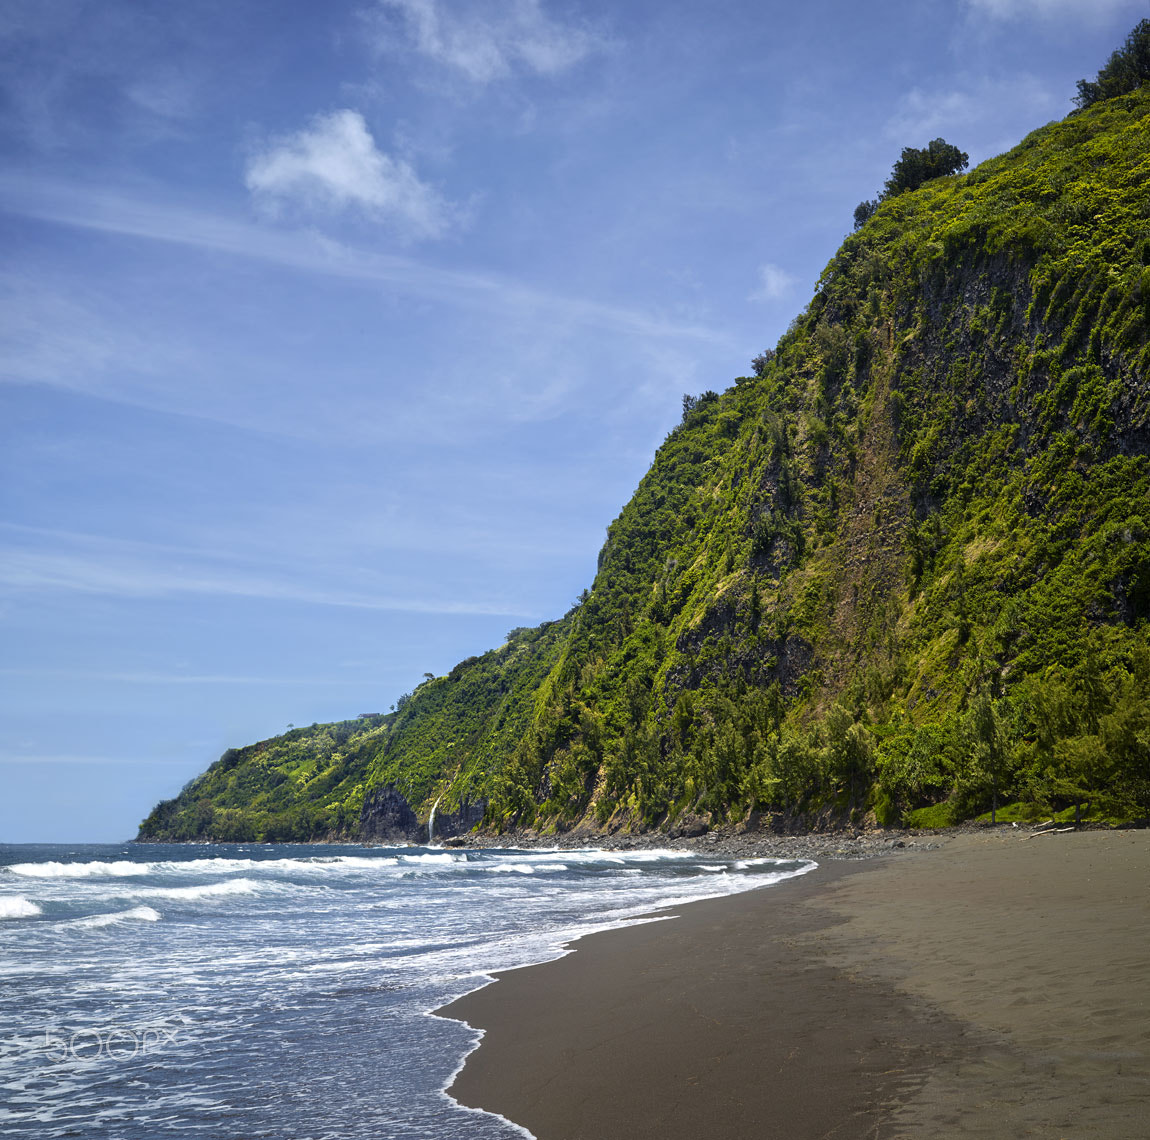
point(431, 823)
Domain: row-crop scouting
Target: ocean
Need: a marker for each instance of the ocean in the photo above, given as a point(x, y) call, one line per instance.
point(233, 992)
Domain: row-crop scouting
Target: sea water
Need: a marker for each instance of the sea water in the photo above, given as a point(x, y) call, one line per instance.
point(233, 992)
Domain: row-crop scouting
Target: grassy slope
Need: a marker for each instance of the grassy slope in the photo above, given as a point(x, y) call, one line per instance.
point(907, 564)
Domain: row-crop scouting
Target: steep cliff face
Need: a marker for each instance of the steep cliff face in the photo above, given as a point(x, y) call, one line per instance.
point(386, 817)
point(905, 567)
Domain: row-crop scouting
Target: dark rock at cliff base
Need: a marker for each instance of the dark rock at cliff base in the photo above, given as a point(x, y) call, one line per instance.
point(387, 816)
point(464, 818)
point(688, 826)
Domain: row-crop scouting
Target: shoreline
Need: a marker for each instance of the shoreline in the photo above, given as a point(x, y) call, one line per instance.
point(726, 842)
point(734, 840)
point(566, 948)
point(995, 987)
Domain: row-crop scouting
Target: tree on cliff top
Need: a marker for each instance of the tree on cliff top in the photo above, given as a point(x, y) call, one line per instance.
point(914, 167)
point(1127, 69)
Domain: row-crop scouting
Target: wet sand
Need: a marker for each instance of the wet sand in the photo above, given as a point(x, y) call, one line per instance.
point(998, 987)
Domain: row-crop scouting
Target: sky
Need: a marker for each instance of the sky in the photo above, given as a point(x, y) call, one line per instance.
point(333, 336)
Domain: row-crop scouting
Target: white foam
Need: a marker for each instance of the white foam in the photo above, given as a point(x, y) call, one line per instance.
point(654, 854)
point(334, 864)
point(523, 868)
point(206, 891)
point(583, 855)
point(50, 870)
point(135, 914)
point(123, 868)
point(17, 906)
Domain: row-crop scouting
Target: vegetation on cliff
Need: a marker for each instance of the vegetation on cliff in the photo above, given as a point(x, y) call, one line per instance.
point(1127, 69)
point(903, 567)
point(914, 167)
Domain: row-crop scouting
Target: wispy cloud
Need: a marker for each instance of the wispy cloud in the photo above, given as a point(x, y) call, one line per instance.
point(111, 211)
point(1089, 11)
point(486, 40)
point(75, 758)
point(970, 112)
point(168, 93)
point(64, 59)
point(69, 563)
point(775, 283)
point(334, 165)
point(158, 678)
point(49, 336)
point(58, 572)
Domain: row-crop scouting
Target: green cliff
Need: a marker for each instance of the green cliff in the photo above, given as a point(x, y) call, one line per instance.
point(902, 568)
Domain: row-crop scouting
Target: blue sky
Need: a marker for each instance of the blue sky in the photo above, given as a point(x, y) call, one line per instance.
point(334, 335)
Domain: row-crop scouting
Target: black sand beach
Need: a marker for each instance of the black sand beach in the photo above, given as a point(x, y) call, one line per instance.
point(997, 987)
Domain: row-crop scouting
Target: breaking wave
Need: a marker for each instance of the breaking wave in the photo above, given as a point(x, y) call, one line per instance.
point(17, 906)
point(96, 921)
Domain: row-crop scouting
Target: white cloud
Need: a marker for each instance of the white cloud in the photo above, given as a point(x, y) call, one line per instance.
point(775, 283)
point(491, 39)
point(158, 678)
point(1092, 11)
point(335, 165)
point(128, 570)
point(76, 758)
point(108, 211)
point(985, 110)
